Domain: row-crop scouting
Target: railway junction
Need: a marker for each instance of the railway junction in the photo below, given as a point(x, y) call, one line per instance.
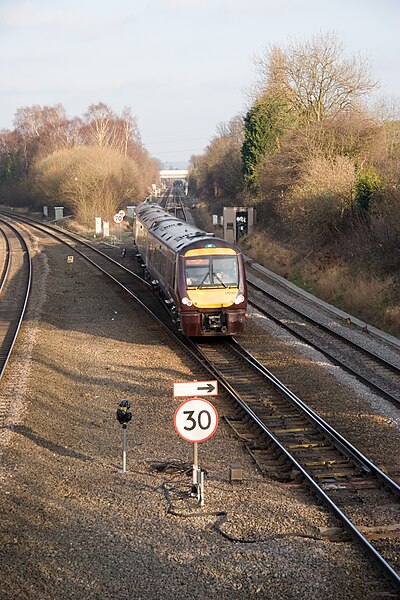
point(75, 527)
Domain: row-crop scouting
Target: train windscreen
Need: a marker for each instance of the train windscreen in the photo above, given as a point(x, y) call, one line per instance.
point(211, 271)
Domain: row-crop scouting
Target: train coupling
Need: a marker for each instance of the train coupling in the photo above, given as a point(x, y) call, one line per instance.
point(216, 322)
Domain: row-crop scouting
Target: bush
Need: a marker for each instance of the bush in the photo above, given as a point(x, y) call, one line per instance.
point(319, 204)
point(367, 182)
point(90, 181)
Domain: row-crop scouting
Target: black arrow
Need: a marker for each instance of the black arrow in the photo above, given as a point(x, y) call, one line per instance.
point(209, 387)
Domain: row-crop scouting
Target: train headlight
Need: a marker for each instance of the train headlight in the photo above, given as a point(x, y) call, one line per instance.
point(186, 301)
point(239, 299)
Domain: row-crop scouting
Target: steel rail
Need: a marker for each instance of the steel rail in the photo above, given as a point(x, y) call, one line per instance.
point(15, 324)
point(336, 334)
point(196, 354)
point(7, 261)
point(334, 359)
point(55, 232)
point(341, 442)
point(359, 458)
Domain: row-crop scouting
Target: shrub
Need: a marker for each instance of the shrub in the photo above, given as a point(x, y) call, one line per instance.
point(367, 182)
point(319, 203)
point(90, 181)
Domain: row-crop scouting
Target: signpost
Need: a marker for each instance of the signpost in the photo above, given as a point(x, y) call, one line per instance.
point(118, 218)
point(195, 388)
point(70, 261)
point(196, 420)
point(124, 416)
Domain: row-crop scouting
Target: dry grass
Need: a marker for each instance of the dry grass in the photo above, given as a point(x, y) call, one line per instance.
point(329, 282)
point(268, 252)
point(203, 219)
point(367, 294)
point(371, 298)
point(391, 318)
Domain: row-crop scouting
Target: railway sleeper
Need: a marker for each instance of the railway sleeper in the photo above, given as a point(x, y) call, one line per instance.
point(306, 447)
point(283, 474)
point(289, 428)
point(352, 486)
point(281, 419)
point(331, 476)
point(254, 440)
point(381, 532)
point(327, 463)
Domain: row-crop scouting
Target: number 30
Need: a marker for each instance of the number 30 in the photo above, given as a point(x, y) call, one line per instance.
point(203, 419)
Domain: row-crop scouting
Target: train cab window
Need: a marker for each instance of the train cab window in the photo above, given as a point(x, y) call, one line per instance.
point(225, 271)
point(197, 272)
point(213, 271)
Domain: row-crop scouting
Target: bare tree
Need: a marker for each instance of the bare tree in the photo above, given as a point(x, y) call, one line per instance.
point(233, 129)
point(316, 77)
point(34, 121)
point(130, 130)
point(104, 128)
point(99, 119)
point(218, 172)
point(40, 127)
point(272, 73)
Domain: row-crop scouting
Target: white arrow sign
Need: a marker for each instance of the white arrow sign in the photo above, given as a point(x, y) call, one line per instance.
point(196, 388)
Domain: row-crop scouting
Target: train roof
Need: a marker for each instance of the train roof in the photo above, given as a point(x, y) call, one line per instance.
point(174, 232)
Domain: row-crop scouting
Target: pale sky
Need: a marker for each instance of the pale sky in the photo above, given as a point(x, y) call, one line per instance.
point(182, 66)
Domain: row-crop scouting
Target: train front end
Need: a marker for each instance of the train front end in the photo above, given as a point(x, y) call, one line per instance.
point(212, 290)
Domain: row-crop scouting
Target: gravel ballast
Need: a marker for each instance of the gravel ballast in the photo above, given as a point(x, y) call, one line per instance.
point(74, 527)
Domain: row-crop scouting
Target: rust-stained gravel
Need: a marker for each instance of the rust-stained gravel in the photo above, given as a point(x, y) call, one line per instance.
point(76, 528)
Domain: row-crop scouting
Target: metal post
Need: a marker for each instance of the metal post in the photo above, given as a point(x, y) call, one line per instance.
point(124, 449)
point(195, 470)
point(195, 462)
point(201, 488)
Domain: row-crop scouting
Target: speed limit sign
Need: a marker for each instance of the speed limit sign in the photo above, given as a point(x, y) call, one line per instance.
point(196, 420)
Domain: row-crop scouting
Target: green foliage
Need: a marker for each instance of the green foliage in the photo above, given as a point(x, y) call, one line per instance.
point(10, 166)
point(367, 182)
point(264, 124)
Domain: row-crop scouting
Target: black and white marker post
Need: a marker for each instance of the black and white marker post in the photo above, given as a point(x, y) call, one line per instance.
point(124, 417)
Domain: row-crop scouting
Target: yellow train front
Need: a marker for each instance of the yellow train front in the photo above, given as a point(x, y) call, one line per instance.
point(200, 278)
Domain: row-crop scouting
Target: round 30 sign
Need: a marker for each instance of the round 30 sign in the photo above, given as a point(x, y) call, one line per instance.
point(196, 420)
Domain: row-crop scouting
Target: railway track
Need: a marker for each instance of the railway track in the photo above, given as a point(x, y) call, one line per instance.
point(380, 374)
point(131, 281)
point(283, 435)
point(172, 201)
point(15, 286)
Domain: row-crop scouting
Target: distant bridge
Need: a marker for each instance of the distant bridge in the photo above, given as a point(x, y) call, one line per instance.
point(171, 175)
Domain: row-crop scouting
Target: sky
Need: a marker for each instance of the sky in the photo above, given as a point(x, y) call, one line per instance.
point(182, 66)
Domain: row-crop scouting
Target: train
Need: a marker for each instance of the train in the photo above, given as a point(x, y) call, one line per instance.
point(200, 278)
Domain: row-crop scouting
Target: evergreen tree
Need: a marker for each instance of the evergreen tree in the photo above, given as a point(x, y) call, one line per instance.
point(264, 125)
